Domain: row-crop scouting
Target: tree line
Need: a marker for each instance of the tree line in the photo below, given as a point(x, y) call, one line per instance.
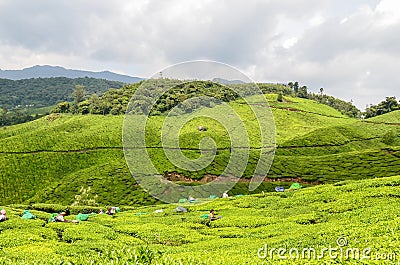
point(115, 101)
point(99, 96)
point(388, 105)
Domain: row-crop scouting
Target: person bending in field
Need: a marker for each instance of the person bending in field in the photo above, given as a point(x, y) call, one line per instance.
point(3, 215)
point(191, 199)
point(212, 216)
point(111, 211)
point(60, 218)
point(225, 195)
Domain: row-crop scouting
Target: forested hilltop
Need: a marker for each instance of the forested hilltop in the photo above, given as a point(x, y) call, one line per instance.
point(44, 92)
point(29, 99)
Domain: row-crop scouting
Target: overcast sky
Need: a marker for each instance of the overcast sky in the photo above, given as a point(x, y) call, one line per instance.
point(349, 47)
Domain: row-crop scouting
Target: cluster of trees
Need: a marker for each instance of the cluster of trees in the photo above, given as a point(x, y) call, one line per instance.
point(299, 91)
point(386, 106)
point(201, 93)
point(114, 101)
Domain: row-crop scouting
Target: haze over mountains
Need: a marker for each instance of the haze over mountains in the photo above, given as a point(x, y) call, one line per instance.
point(46, 71)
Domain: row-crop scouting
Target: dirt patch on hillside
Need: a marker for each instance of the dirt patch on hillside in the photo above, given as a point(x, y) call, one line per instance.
point(176, 177)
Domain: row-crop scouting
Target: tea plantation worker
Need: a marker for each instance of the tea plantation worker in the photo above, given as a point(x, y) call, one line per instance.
point(110, 211)
point(113, 210)
point(225, 195)
point(27, 215)
point(191, 199)
point(212, 216)
point(60, 218)
point(3, 215)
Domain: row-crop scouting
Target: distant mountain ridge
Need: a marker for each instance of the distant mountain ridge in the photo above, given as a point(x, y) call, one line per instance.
point(47, 71)
point(225, 81)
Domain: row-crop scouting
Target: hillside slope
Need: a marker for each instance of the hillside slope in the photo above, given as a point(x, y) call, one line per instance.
point(356, 222)
point(391, 117)
point(52, 159)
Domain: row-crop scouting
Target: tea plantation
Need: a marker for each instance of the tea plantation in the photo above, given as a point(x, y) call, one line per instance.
point(349, 222)
point(79, 160)
point(76, 163)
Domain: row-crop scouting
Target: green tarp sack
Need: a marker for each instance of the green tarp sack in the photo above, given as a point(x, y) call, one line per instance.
point(27, 215)
point(295, 186)
point(82, 217)
point(52, 216)
point(205, 216)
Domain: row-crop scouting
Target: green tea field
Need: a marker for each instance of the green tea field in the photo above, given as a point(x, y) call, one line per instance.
point(350, 222)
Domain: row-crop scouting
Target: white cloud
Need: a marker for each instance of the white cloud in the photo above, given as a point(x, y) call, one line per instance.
point(344, 20)
point(316, 20)
point(388, 12)
point(289, 42)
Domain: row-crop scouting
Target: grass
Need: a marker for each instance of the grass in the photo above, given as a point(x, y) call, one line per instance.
point(362, 213)
point(391, 117)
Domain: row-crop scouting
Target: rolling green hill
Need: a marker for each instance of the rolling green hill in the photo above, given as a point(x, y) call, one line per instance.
point(391, 117)
point(57, 158)
point(350, 222)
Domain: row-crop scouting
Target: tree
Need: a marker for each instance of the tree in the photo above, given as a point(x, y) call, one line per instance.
point(303, 92)
point(296, 87)
point(78, 94)
point(4, 112)
point(390, 104)
point(94, 102)
point(84, 107)
point(280, 98)
point(62, 107)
